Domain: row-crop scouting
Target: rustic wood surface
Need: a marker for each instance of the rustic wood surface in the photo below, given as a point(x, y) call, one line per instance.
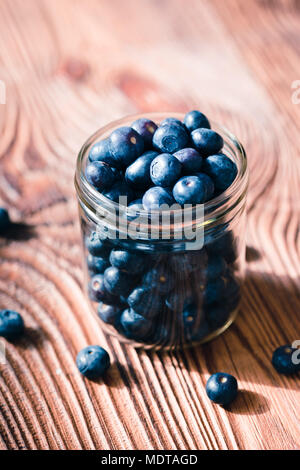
point(70, 66)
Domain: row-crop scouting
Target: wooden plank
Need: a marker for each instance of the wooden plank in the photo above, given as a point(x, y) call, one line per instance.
point(70, 67)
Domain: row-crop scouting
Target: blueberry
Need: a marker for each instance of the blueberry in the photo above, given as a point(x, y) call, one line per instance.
point(146, 128)
point(133, 263)
point(4, 219)
point(190, 316)
point(135, 326)
point(93, 362)
point(125, 146)
point(156, 197)
point(193, 189)
point(224, 245)
point(172, 120)
point(216, 266)
point(97, 264)
point(194, 120)
point(118, 282)
point(214, 290)
point(170, 137)
point(217, 314)
point(120, 190)
point(286, 359)
point(11, 325)
point(165, 170)
point(100, 175)
point(179, 300)
point(190, 159)
point(206, 141)
point(222, 388)
point(100, 152)
point(143, 301)
point(159, 279)
point(221, 169)
point(98, 292)
point(138, 173)
point(96, 246)
point(134, 209)
point(109, 313)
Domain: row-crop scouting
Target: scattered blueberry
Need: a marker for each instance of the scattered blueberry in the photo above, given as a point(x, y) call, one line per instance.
point(222, 388)
point(193, 189)
point(125, 146)
point(4, 219)
point(138, 173)
point(100, 152)
point(11, 325)
point(157, 197)
point(170, 138)
point(93, 362)
point(146, 128)
point(286, 359)
point(207, 141)
point(144, 301)
point(118, 282)
point(190, 160)
point(109, 313)
point(100, 175)
point(221, 169)
point(165, 170)
point(195, 120)
point(133, 263)
point(135, 325)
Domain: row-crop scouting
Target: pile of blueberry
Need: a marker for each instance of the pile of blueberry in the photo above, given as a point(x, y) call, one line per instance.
point(175, 162)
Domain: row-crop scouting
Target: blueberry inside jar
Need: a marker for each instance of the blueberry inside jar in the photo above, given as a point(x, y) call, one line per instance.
point(162, 209)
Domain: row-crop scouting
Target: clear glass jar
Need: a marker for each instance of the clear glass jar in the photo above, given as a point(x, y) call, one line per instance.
point(183, 295)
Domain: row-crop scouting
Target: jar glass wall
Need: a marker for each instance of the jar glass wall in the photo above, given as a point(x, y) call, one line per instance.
point(168, 292)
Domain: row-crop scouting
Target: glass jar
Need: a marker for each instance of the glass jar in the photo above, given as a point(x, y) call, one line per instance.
point(171, 289)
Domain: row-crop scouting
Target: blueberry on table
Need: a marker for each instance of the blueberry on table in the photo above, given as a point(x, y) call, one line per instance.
point(221, 169)
point(144, 301)
point(97, 264)
point(165, 170)
point(286, 359)
point(109, 313)
point(100, 175)
point(195, 120)
point(135, 326)
point(100, 152)
point(170, 137)
point(96, 245)
point(133, 263)
point(11, 325)
point(120, 193)
point(159, 279)
point(207, 141)
point(4, 219)
point(125, 146)
point(222, 388)
point(118, 282)
point(190, 160)
point(93, 362)
point(157, 197)
point(195, 189)
point(137, 174)
point(146, 128)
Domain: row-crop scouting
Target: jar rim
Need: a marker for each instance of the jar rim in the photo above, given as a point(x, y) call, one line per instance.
point(215, 207)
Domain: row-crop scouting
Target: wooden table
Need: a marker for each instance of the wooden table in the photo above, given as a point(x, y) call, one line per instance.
point(70, 66)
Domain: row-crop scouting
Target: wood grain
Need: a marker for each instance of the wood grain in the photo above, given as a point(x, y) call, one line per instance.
point(69, 67)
